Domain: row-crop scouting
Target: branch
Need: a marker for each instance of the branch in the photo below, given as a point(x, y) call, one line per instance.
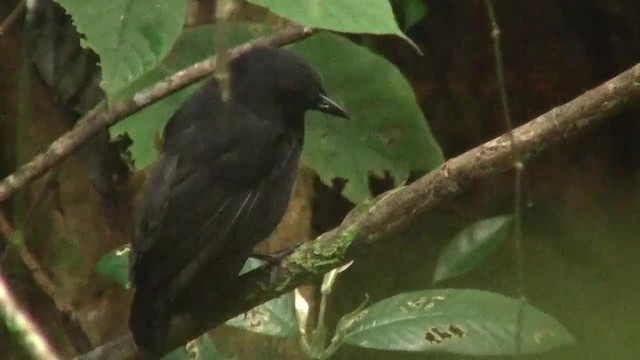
point(6, 230)
point(27, 331)
point(396, 209)
point(100, 117)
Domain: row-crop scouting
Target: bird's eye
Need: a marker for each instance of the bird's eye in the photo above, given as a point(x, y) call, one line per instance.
point(289, 94)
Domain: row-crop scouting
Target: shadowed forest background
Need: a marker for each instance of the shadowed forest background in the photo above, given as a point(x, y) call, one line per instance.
point(580, 199)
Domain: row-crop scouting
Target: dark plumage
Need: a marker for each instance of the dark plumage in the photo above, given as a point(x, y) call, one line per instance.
point(220, 186)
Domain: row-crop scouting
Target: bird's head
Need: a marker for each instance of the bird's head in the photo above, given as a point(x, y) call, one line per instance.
point(277, 80)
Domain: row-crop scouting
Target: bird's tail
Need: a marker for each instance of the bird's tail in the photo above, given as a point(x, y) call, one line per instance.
point(149, 320)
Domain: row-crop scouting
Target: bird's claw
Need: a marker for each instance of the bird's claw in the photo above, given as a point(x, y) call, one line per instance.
point(276, 257)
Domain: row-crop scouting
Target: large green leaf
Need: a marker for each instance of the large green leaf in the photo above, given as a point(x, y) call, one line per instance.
point(193, 45)
point(130, 36)
point(353, 16)
point(115, 266)
point(462, 321)
point(471, 247)
point(387, 131)
point(275, 317)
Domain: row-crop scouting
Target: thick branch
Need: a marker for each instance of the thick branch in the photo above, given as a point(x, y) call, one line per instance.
point(100, 117)
point(398, 208)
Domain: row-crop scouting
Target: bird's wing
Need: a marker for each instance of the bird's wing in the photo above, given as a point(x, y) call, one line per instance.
point(203, 189)
point(150, 216)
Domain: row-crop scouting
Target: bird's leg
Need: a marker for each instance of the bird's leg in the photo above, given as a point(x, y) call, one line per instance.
point(276, 257)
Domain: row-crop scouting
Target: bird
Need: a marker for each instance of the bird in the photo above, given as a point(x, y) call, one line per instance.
point(221, 184)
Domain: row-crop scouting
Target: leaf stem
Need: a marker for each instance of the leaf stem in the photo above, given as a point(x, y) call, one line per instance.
point(518, 166)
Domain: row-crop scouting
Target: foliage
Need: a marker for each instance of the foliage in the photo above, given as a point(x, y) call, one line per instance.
point(390, 136)
point(130, 36)
point(471, 247)
point(355, 16)
point(461, 321)
point(139, 42)
point(387, 131)
point(275, 317)
point(115, 266)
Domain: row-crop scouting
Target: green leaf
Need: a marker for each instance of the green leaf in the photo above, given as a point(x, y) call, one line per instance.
point(469, 248)
point(130, 36)
point(177, 354)
point(251, 264)
point(414, 11)
point(274, 318)
point(193, 45)
point(353, 16)
point(387, 130)
point(461, 321)
point(201, 348)
point(115, 266)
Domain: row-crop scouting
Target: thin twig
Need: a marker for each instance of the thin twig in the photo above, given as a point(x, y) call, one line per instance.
point(224, 8)
point(6, 230)
point(30, 335)
point(100, 117)
point(11, 19)
point(38, 274)
point(63, 306)
point(518, 167)
point(398, 209)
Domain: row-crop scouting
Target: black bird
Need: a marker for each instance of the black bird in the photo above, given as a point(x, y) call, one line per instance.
point(221, 185)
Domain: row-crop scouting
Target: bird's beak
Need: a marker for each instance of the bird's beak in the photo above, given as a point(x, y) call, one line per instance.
point(329, 106)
